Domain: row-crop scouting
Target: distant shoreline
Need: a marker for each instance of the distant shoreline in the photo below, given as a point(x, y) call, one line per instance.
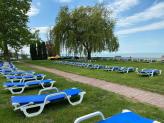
point(133, 55)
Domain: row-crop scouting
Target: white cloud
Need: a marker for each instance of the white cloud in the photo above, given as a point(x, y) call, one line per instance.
point(154, 12)
point(119, 6)
point(150, 27)
point(43, 29)
point(63, 1)
point(33, 11)
point(100, 1)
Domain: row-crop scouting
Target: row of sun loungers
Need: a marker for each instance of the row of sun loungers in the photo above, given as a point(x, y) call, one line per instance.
point(19, 80)
point(143, 72)
point(40, 100)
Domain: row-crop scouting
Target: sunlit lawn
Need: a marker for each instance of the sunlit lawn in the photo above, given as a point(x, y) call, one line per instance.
point(154, 84)
point(61, 112)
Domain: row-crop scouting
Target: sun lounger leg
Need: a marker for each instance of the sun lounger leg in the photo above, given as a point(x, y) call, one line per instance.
point(25, 108)
point(51, 85)
point(17, 92)
point(127, 71)
point(152, 74)
point(77, 102)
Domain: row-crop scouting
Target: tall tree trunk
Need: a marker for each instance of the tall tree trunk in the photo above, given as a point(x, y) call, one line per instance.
point(89, 54)
point(6, 52)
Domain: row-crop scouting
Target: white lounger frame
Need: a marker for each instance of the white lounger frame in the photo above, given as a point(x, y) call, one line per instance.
point(41, 106)
point(100, 114)
point(27, 79)
point(12, 89)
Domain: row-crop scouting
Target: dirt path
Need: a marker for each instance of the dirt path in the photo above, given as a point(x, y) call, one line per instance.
point(133, 93)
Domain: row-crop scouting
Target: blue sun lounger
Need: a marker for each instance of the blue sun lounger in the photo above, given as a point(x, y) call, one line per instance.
point(17, 73)
point(126, 69)
point(93, 66)
point(6, 70)
point(125, 116)
point(149, 72)
point(26, 77)
point(19, 87)
point(112, 68)
point(24, 103)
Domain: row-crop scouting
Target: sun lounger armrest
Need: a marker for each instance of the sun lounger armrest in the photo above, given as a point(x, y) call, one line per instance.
point(52, 95)
point(88, 116)
point(26, 83)
point(47, 89)
point(19, 107)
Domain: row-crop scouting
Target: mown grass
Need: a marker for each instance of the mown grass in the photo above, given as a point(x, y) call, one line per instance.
point(153, 84)
point(61, 112)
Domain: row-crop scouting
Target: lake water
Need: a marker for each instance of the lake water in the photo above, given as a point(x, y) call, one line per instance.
point(135, 55)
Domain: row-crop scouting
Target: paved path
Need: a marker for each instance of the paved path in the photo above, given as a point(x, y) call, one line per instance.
point(133, 93)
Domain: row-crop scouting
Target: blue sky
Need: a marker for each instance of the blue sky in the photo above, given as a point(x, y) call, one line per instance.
point(140, 23)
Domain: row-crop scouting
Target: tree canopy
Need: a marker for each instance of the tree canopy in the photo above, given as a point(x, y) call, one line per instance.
point(14, 32)
point(86, 30)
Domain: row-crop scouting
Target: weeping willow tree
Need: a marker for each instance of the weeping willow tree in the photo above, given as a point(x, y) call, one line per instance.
point(86, 30)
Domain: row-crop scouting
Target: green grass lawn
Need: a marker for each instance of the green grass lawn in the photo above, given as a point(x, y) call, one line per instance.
point(62, 112)
point(154, 84)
